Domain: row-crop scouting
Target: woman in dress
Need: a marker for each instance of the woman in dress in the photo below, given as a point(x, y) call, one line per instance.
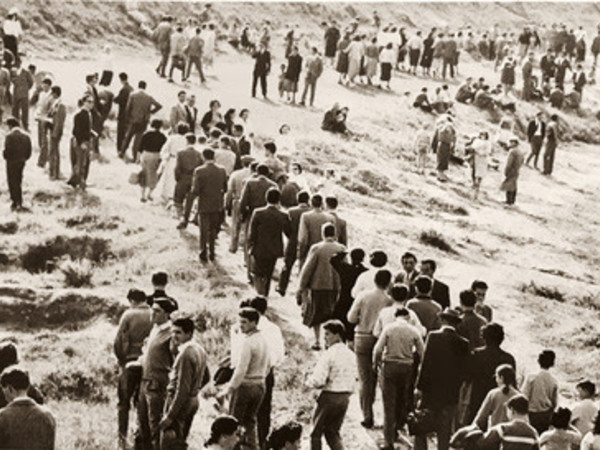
point(386, 59)
point(427, 56)
point(355, 53)
point(342, 62)
point(168, 157)
point(482, 149)
point(151, 144)
point(286, 144)
point(212, 117)
point(224, 434)
point(371, 60)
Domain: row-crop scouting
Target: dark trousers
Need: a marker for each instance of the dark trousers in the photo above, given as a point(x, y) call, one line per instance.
point(395, 388)
point(176, 436)
point(43, 143)
point(121, 130)
point(128, 390)
point(80, 163)
point(54, 157)
point(135, 132)
point(151, 404)
point(328, 419)
point(209, 226)
point(263, 83)
point(444, 428)
point(448, 64)
point(183, 197)
point(511, 197)
point(20, 109)
point(236, 225)
point(549, 158)
point(195, 61)
point(244, 405)
point(310, 82)
point(540, 420)
point(262, 268)
point(536, 146)
point(164, 59)
point(264, 412)
point(367, 378)
point(14, 176)
point(289, 260)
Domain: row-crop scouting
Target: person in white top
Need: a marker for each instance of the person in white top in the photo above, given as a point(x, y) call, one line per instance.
point(168, 157)
point(399, 293)
point(209, 36)
point(481, 148)
point(366, 280)
point(585, 410)
point(12, 32)
point(335, 375)
point(286, 144)
point(415, 45)
point(591, 441)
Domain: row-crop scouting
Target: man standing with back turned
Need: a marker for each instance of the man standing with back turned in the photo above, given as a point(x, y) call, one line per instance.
point(17, 150)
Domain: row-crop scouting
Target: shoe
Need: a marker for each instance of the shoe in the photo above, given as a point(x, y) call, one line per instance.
point(22, 209)
point(316, 347)
point(143, 200)
point(13, 207)
point(212, 257)
point(182, 225)
point(301, 104)
point(280, 292)
point(170, 80)
point(368, 424)
point(203, 258)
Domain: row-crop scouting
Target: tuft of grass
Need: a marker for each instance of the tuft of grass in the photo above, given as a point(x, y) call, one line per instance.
point(375, 181)
point(10, 227)
point(78, 273)
point(588, 301)
point(435, 239)
point(84, 383)
point(440, 205)
point(89, 221)
point(549, 292)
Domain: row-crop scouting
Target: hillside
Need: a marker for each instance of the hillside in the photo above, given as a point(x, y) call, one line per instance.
point(538, 258)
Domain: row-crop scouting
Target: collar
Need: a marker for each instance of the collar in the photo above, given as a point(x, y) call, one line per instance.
point(164, 326)
point(447, 328)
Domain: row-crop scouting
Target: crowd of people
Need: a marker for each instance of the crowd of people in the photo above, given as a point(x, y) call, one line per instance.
point(439, 365)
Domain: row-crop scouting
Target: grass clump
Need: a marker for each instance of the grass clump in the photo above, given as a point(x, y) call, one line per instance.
point(78, 273)
point(440, 205)
point(89, 221)
point(87, 384)
point(10, 227)
point(435, 239)
point(549, 292)
point(376, 182)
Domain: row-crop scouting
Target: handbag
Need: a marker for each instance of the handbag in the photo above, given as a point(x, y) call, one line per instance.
point(421, 421)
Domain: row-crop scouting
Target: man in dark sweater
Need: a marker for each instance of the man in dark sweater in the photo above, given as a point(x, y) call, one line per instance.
point(188, 160)
point(17, 150)
point(81, 143)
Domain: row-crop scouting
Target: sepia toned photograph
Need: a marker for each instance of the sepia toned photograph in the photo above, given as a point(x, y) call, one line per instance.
point(299, 225)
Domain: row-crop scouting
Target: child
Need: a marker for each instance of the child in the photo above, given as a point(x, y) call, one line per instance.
point(560, 436)
point(282, 83)
point(493, 411)
point(421, 146)
point(585, 410)
point(542, 391)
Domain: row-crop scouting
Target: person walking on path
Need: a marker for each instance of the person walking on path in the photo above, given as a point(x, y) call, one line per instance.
point(262, 67)
point(551, 144)
point(121, 101)
point(311, 227)
point(162, 39)
point(56, 124)
point(17, 150)
point(81, 144)
point(187, 161)
point(193, 51)
point(443, 144)
point(493, 409)
point(150, 147)
point(314, 69)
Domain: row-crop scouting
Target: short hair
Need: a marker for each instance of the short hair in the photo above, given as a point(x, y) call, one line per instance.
point(303, 197)
point(262, 169)
point(554, 117)
point(142, 85)
point(431, 263)
point(208, 153)
point(182, 128)
point(478, 284)
point(156, 123)
point(561, 418)
point(399, 292)
point(587, 386)
point(249, 314)
point(260, 304)
point(287, 433)
point(214, 103)
point(357, 255)
point(519, 404)
point(215, 133)
point(546, 359)
point(16, 378)
point(160, 278)
point(12, 122)
point(181, 92)
point(190, 138)
point(185, 323)
point(467, 298)
point(408, 255)
point(56, 90)
point(136, 295)
point(238, 127)
point(401, 312)
point(335, 327)
point(423, 284)
point(47, 81)
point(273, 196)
point(383, 278)
point(8, 355)
point(316, 201)
point(123, 76)
point(378, 258)
point(222, 426)
point(88, 78)
point(493, 334)
point(270, 147)
point(328, 230)
point(331, 202)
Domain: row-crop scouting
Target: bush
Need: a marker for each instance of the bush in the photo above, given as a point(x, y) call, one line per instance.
point(435, 239)
point(90, 221)
point(447, 207)
point(375, 181)
point(83, 384)
point(77, 273)
point(9, 227)
point(550, 292)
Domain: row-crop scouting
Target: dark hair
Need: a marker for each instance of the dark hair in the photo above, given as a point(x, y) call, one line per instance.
point(519, 404)
point(222, 426)
point(431, 263)
point(399, 292)
point(467, 299)
point(136, 295)
point(185, 323)
point(328, 230)
point(587, 386)
point(335, 327)
point(273, 196)
point(316, 201)
point(596, 430)
point(303, 197)
point(213, 103)
point(260, 304)
point(271, 147)
point(238, 127)
point(88, 78)
point(554, 117)
point(408, 255)
point(181, 92)
point(331, 202)
point(56, 90)
point(208, 153)
point(215, 133)
point(492, 334)
point(561, 418)
point(546, 359)
point(423, 284)
point(123, 76)
point(142, 85)
point(287, 433)
point(507, 373)
point(401, 312)
point(250, 314)
point(190, 138)
point(15, 377)
point(8, 355)
point(378, 258)
point(357, 255)
point(160, 279)
point(182, 128)
point(47, 81)
point(156, 124)
point(479, 284)
point(383, 278)
point(262, 169)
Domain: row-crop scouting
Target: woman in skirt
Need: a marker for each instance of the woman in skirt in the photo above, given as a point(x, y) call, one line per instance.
point(150, 147)
point(386, 60)
point(342, 62)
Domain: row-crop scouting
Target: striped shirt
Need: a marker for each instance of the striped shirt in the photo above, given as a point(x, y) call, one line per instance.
point(514, 435)
point(335, 371)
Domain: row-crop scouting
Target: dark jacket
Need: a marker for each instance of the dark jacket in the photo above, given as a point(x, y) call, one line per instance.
point(294, 68)
point(443, 369)
point(210, 185)
point(262, 65)
point(22, 83)
point(82, 126)
point(295, 214)
point(24, 424)
point(441, 294)
point(188, 160)
point(267, 226)
point(470, 328)
point(254, 195)
point(122, 98)
point(531, 130)
point(17, 146)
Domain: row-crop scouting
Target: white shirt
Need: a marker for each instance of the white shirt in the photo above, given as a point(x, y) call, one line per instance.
point(335, 371)
point(415, 42)
point(386, 56)
point(388, 315)
point(584, 414)
point(590, 442)
point(12, 28)
point(273, 337)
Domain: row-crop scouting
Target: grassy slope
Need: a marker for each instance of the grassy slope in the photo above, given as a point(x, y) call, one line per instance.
point(541, 240)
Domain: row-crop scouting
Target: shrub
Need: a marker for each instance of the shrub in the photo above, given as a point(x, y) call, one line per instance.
point(435, 239)
point(9, 227)
point(447, 207)
point(86, 383)
point(375, 181)
point(77, 273)
point(550, 292)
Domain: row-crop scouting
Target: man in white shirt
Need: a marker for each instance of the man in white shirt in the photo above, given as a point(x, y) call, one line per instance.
point(414, 44)
point(41, 116)
point(335, 376)
point(399, 293)
point(365, 280)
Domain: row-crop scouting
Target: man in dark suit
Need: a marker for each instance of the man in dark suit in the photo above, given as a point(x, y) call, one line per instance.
point(56, 124)
point(262, 67)
point(442, 372)
point(191, 112)
point(409, 273)
point(440, 292)
point(121, 100)
point(209, 185)
point(311, 224)
point(579, 80)
point(471, 323)
point(17, 150)
point(81, 144)
point(341, 228)
point(292, 243)
point(267, 226)
point(188, 161)
point(536, 130)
